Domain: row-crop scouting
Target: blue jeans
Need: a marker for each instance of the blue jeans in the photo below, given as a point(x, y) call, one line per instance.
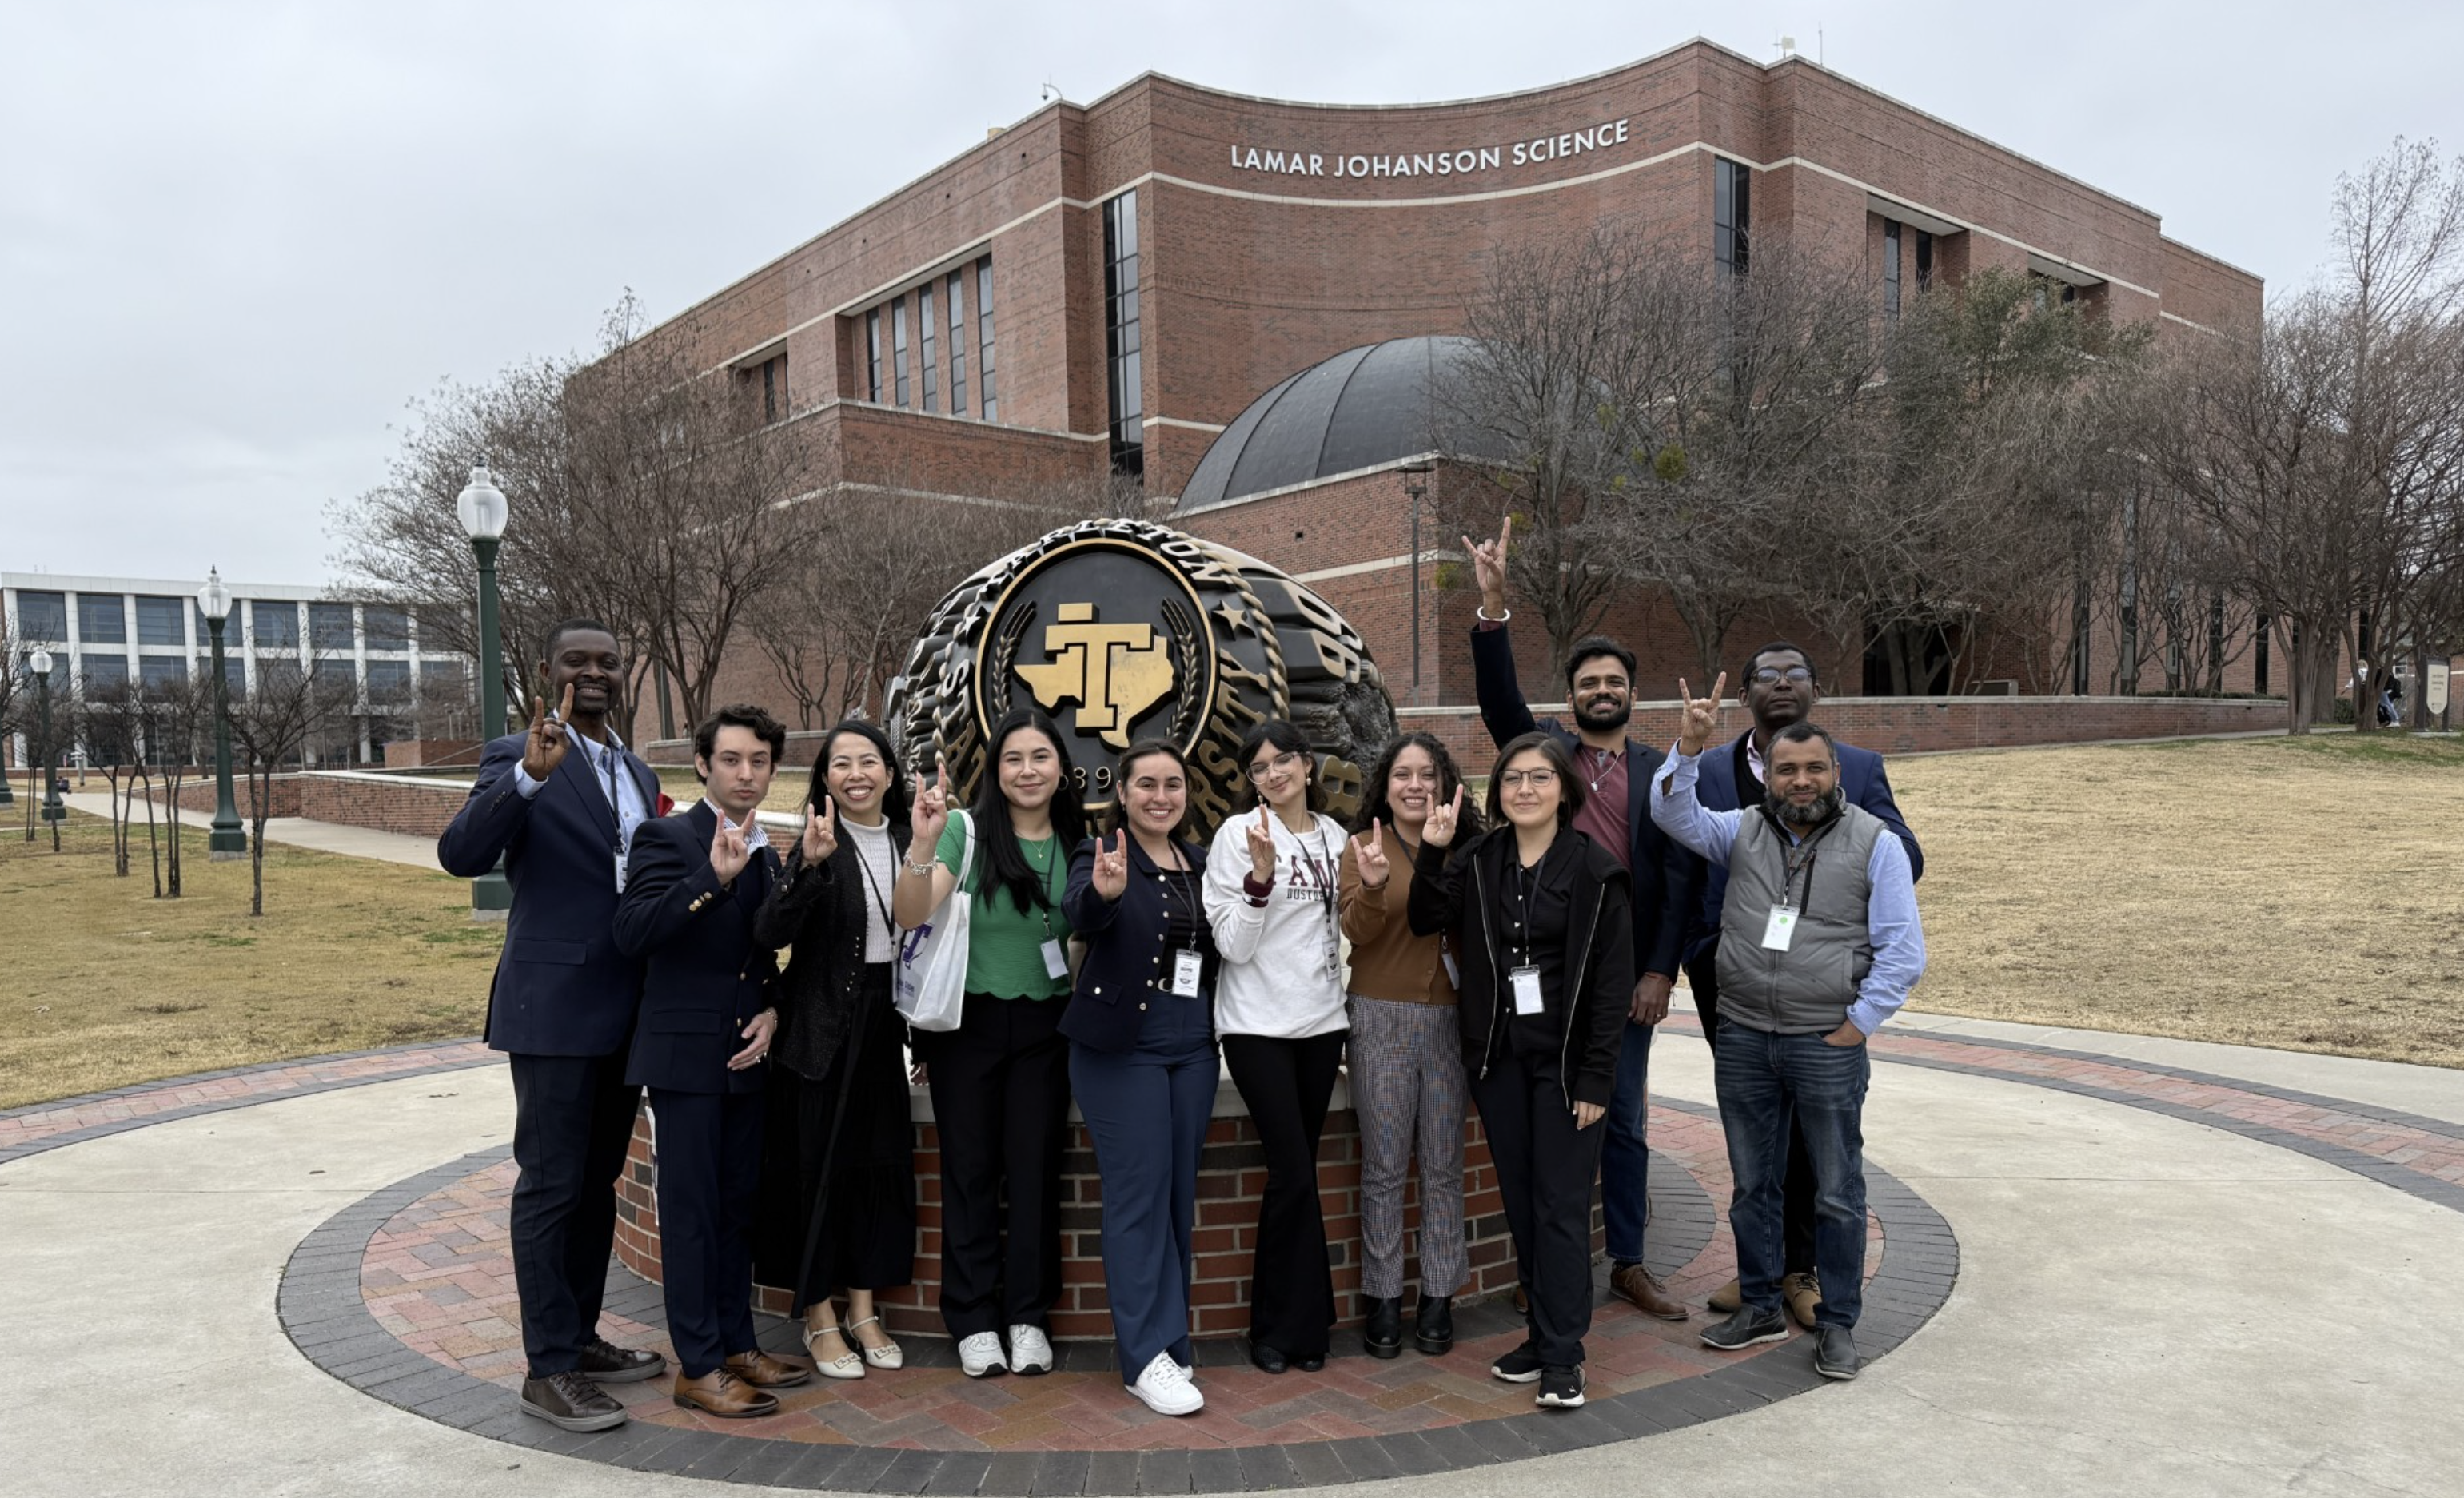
point(1625, 1163)
point(1764, 1081)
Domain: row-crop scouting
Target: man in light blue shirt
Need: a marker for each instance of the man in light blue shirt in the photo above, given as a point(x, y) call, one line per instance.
point(1819, 944)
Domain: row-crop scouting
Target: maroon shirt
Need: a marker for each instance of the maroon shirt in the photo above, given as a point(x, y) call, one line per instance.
point(1603, 817)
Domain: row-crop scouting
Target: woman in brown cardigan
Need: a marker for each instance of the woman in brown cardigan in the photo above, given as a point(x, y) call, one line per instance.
point(1407, 1069)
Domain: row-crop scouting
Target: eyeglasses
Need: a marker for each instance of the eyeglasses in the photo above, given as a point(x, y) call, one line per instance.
point(1537, 780)
point(1290, 758)
point(1771, 673)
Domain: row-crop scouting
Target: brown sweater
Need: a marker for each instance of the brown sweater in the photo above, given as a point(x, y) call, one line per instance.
point(1386, 960)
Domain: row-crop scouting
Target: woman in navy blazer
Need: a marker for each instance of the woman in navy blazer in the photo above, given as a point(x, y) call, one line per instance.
point(1142, 1060)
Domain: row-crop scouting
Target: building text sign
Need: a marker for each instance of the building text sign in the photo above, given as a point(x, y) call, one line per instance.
point(1459, 162)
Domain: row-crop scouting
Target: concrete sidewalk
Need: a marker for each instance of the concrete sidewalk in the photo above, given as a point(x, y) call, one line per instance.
point(326, 837)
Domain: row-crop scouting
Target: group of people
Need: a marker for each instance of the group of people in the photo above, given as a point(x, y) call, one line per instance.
point(1511, 957)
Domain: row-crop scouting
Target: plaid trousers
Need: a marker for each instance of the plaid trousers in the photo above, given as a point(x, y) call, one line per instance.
point(1407, 1079)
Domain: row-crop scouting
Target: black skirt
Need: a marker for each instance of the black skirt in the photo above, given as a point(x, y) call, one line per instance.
point(837, 1169)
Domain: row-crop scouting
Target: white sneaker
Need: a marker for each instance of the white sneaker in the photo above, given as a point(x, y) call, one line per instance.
point(1166, 1388)
point(981, 1353)
point(1030, 1350)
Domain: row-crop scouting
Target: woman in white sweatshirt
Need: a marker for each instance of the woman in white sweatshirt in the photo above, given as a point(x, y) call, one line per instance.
point(1270, 888)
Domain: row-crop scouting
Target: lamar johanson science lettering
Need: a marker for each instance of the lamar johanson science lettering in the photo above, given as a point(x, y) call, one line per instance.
point(1435, 163)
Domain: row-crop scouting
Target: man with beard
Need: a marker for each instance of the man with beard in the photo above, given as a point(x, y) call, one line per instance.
point(1819, 944)
point(1600, 688)
point(1780, 689)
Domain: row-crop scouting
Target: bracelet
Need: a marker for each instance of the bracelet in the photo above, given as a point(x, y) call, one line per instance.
point(922, 870)
point(1480, 613)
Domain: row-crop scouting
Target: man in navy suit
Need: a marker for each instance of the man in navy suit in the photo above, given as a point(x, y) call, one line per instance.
point(1600, 688)
point(691, 889)
point(560, 803)
point(1780, 688)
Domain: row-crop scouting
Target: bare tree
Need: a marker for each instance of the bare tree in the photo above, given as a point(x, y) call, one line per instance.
point(287, 708)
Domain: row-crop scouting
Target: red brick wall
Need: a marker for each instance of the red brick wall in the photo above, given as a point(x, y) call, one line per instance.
point(198, 793)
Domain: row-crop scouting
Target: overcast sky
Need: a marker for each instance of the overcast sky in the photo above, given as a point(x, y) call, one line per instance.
point(235, 239)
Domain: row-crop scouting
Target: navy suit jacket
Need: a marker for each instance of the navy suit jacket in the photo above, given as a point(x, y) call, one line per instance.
point(1668, 879)
point(1125, 956)
point(562, 988)
point(704, 977)
point(1861, 775)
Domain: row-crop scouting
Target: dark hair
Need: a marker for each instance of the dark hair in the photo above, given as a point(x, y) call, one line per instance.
point(895, 802)
point(1812, 672)
point(1373, 796)
point(1117, 816)
point(1591, 646)
point(1279, 733)
point(738, 715)
point(564, 627)
point(1004, 863)
point(1571, 794)
point(1802, 732)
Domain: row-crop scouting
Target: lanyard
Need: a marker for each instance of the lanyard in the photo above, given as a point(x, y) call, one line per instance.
point(1044, 912)
point(880, 902)
point(1792, 865)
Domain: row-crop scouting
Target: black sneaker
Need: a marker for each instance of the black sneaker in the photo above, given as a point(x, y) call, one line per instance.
point(1561, 1388)
point(1519, 1366)
point(1834, 1352)
point(571, 1401)
point(604, 1362)
point(1747, 1327)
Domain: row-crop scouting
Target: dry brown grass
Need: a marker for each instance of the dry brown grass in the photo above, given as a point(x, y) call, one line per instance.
point(2291, 892)
point(102, 985)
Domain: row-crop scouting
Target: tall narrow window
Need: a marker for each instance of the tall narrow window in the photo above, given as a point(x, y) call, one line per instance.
point(984, 337)
point(774, 388)
point(957, 343)
point(929, 329)
point(898, 349)
point(1924, 260)
point(873, 356)
point(1732, 186)
point(1891, 268)
point(1121, 332)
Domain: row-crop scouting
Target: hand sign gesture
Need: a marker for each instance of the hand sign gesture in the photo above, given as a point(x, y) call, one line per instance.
point(1369, 855)
point(548, 740)
point(821, 832)
point(1113, 866)
point(1702, 718)
point(1438, 832)
point(728, 854)
point(932, 811)
point(1488, 566)
point(1262, 847)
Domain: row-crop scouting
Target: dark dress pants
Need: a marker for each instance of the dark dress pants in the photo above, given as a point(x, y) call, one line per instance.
point(1000, 1106)
point(1545, 1168)
point(573, 1120)
point(710, 1168)
point(1286, 1084)
point(1147, 1112)
point(1796, 1210)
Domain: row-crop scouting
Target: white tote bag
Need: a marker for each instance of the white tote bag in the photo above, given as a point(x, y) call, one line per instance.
point(932, 956)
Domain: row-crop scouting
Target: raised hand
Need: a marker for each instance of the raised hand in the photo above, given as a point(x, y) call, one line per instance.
point(728, 854)
point(821, 832)
point(1262, 847)
point(931, 812)
point(1369, 855)
point(1438, 832)
point(1113, 866)
point(1701, 719)
point(548, 740)
point(1488, 566)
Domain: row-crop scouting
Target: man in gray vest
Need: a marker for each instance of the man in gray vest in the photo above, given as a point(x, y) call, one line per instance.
point(1818, 945)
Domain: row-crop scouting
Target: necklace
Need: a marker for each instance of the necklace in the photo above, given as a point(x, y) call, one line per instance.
point(1600, 770)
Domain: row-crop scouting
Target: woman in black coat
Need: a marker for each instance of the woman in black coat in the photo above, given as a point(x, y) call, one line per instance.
point(839, 1187)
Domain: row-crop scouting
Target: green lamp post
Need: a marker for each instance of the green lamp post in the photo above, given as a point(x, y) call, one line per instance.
point(483, 511)
point(52, 811)
point(229, 839)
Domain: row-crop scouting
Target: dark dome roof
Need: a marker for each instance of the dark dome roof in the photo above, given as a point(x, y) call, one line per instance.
point(1364, 406)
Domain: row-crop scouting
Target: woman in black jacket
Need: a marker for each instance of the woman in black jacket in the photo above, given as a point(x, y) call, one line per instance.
point(1542, 917)
point(840, 1201)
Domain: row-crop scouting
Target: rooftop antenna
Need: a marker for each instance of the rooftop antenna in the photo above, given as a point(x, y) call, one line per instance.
point(1817, 45)
point(1787, 47)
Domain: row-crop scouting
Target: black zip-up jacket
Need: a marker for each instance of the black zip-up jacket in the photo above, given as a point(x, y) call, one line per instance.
point(818, 909)
point(1453, 892)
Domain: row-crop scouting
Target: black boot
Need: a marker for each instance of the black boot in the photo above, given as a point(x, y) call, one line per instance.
point(1434, 1329)
point(1383, 1330)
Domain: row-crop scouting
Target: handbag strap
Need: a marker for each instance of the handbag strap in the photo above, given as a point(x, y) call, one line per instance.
point(967, 853)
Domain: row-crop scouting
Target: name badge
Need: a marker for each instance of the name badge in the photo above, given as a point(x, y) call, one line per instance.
point(620, 872)
point(1186, 966)
point(1056, 963)
point(1781, 929)
point(1454, 977)
point(1527, 989)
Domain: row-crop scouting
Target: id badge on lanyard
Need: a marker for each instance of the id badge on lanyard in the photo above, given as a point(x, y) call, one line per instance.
point(1526, 988)
point(1056, 961)
point(1780, 929)
point(1186, 967)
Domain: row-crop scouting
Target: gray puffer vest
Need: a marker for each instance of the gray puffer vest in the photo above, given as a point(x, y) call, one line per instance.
point(1809, 986)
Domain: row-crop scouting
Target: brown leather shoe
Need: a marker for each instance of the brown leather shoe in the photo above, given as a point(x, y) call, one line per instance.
point(1648, 1292)
point(571, 1401)
point(762, 1371)
point(1803, 1293)
point(604, 1362)
point(722, 1393)
point(1728, 1298)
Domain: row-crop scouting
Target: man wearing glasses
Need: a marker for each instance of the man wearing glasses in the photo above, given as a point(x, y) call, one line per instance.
point(1780, 689)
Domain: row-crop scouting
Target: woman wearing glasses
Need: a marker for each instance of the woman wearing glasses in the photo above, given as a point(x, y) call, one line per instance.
point(1540, 919)
point(1270, 892)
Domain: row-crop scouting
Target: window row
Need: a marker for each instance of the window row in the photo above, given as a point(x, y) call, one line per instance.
point(380, 683)
point(103, 619)
point(915, 341)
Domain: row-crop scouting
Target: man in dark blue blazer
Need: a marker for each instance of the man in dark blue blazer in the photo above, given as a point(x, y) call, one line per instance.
point(1780, 688)
point(559, 804)
point(1599, 690)
point(691, 890)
